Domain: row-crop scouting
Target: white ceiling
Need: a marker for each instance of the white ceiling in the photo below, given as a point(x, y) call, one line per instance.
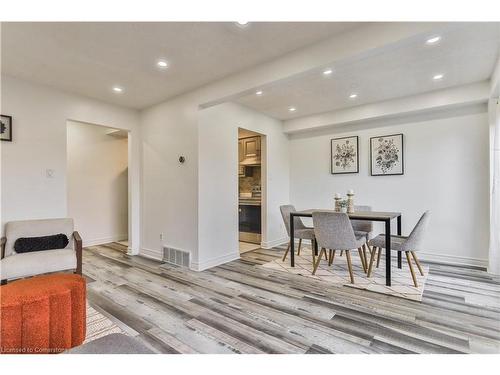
point(466, 53)
point(91, 58)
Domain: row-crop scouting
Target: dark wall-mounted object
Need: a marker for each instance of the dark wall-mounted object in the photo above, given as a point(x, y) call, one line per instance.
point(6, 128)
point(182, 159)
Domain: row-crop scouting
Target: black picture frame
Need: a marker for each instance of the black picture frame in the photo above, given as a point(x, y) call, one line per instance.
point(5, 121)
point(332, 171)
point(401, 162)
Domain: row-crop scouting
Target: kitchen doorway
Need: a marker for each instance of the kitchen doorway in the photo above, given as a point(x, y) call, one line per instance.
point(250, 190)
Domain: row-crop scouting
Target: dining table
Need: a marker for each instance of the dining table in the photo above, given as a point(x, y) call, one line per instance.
point(380, 216)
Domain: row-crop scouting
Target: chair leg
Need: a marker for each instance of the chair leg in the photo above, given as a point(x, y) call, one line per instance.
point(360, 251)
point(323, 250)
point(372, 258)
point(286, 252)
point(312, 251)
point(326, 257)
point(378, 255)
point(349, 264)
point(417, 262)
point(300, 245)
point(332, 256)
point(366, 250)
point(341, 252)
point(411, 269)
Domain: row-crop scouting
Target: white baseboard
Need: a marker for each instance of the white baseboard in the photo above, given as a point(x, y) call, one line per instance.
point(101, 241)
point(430, 257)
point(452, 259)
point(201, 266)
point(271, 244)
point(151, 254)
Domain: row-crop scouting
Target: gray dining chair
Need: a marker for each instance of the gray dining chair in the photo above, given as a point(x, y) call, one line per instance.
point(363, 228)
point(333, 231)
point(408, 244)
point(300, 230)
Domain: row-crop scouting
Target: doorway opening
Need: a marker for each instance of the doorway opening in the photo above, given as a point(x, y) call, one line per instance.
point(250, 181)
point(98, 183)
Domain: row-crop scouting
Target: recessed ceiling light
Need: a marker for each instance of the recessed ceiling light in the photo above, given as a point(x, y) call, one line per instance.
point(259, 92)
point(327, 72)
point(433, 40)
point(117, 89)
point(162, 64)
point(242, 23)
point(292, 109)
point(437, 77)
point(353, 96)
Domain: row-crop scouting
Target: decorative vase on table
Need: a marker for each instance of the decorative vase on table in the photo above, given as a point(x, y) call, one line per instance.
point(337, 202)
point(350, 201)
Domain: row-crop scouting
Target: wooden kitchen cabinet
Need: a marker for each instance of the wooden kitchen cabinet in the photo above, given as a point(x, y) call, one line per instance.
point(251, 147)
point(241, 151)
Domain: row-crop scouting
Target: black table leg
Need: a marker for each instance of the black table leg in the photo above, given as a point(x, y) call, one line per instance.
point(292, 240)
point(388, 252)
point(400, 263)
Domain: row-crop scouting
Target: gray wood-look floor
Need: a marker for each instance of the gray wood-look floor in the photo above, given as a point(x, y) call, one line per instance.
point(240, 307)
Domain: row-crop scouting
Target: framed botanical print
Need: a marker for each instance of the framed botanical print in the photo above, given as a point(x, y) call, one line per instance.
point(387, 155)
point(5, 128)
point(345, 155)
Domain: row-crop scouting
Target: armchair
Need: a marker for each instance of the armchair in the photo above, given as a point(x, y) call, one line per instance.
point(15, 266)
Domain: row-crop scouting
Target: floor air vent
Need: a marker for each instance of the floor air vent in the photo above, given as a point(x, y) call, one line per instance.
point(177, 257)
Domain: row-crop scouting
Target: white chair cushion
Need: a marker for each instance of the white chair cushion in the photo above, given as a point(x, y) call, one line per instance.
point(37, 228)
point(37, 262)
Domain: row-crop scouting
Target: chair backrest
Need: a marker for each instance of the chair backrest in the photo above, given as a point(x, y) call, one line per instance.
point(333, 230)
point(36, 228)
point(285, 213)
point(362, 225)
point(414, 241)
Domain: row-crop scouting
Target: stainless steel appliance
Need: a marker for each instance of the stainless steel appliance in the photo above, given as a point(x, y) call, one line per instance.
point(250, 220)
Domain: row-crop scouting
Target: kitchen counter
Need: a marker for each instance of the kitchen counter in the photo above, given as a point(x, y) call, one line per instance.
point(250, 201)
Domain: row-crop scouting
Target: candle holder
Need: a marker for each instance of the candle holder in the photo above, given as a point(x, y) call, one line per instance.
point(350, 202)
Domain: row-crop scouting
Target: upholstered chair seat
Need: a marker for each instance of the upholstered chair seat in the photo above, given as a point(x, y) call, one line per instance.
point(409, 245)
point(397, 242)
point(300, 230)
point(334, 231)
point(15, 265)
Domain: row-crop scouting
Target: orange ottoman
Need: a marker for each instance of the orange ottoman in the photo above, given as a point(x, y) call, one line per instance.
point(43, 314)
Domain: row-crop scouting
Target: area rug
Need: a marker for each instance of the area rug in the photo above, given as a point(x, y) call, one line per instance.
point(98, 325)
point(338, 274)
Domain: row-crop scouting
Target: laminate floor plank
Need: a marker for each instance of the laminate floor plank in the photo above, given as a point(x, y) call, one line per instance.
point(241, 307)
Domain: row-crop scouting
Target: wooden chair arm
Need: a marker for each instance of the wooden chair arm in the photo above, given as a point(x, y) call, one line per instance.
point(3, 240)
point(79, 252)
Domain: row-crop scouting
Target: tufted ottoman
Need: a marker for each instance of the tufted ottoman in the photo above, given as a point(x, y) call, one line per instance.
point(43, 314)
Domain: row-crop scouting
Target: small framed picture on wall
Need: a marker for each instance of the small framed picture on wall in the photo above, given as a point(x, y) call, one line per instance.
point(345, 155)
point(6, 128)
point(387, 155)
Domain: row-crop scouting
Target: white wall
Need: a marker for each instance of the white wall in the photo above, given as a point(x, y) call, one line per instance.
point(170, 129)
point(446, 171)
point(218, 180)
point(39, 128)
point(494, 248)
point(97, 180)
point(170, 190)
